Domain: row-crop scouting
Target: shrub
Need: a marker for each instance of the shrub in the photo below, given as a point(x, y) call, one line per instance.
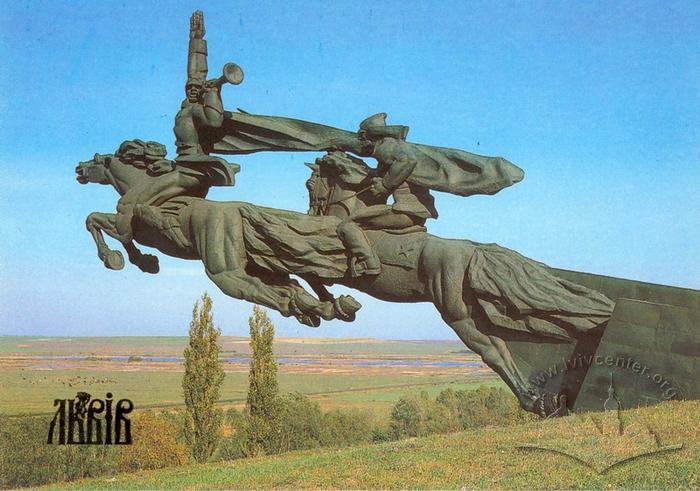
point(298, 423)
point(154, 444)
point(451, 411)
point(380, 435)
point(26, 459)
point(487, 406)
point(176, 418)
point(234, 444)
point(405, 418)
point(343, 427)
point(419, 416)
point(437, 418)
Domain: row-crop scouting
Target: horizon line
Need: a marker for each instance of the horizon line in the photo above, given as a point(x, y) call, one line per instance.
point(281, 338)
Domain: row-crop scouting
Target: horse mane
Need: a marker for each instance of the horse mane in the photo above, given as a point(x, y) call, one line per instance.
point(148, 155)
point(344, 167)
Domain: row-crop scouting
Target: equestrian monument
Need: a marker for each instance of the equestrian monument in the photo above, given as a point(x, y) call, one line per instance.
point(555, 337)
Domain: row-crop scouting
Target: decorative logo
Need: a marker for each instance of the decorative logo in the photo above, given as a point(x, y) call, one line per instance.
point(605, 440)
point(82, 421)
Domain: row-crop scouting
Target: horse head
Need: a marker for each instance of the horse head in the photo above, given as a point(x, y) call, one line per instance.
point(133, 162)
point(94, 170)
point(337, 184)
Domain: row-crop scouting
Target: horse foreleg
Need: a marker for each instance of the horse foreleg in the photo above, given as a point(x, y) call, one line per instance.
point(111, 259)
point(319, 288)
point(148, 263)
point(490, 353)
point(344, 306)
point(546, 404)
point(239, 284)
point(218, 239)
point(98, 222)
point(459, 309)
point(279, 293)
point(496, 355)
point(326, 306)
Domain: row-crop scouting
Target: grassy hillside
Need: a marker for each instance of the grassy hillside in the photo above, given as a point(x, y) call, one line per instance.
point(476, 459)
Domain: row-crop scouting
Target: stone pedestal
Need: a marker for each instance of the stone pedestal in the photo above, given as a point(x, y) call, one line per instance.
point(650, 350)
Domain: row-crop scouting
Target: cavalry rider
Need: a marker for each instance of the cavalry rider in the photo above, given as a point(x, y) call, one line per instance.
point(193, 170)
point(412, 206)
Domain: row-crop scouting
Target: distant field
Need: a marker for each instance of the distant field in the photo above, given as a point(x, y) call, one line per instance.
point(363, 373)
point(150, 389)
point(489, 458)
point(174, 345)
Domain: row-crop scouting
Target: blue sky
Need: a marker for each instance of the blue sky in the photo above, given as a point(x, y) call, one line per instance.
point(599, 103)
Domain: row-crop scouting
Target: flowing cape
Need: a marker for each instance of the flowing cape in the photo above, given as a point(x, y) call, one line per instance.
point(459, 172)
point(442, 169)
point(243, 133)
point(215, 171)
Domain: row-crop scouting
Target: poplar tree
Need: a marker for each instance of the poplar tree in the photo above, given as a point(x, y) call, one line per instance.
point(201, 383)
point(263, 390)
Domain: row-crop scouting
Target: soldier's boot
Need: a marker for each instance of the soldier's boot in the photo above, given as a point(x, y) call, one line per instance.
point(363, 260)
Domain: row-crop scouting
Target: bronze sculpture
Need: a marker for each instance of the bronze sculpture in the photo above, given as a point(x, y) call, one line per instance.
point(488, 294)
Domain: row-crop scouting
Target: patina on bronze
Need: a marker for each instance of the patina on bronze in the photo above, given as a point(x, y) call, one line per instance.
point(365, 229)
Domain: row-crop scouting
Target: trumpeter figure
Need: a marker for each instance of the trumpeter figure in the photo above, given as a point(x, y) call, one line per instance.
point(193, 171)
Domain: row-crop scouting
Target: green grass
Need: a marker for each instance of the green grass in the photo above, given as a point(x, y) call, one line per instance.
point(380, 401)
point(488, 458)
point(33, 391)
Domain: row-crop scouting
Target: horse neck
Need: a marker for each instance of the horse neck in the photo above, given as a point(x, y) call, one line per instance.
point(343, 199)
point(123, 176)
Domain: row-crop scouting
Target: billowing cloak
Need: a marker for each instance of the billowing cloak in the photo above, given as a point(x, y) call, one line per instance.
point(442, 169)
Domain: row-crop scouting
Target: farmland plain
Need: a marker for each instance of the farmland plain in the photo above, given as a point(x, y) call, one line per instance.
point(362, 373)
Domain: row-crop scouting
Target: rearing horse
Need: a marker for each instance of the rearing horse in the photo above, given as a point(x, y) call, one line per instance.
point(249, 252)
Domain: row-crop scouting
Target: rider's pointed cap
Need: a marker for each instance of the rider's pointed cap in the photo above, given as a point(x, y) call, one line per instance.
point(375, 127)
point(375, 120)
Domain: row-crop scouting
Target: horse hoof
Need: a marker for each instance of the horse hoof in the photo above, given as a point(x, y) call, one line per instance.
point(549, 405)
point(113, 260)
point(345, 307)
point(149, 264)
